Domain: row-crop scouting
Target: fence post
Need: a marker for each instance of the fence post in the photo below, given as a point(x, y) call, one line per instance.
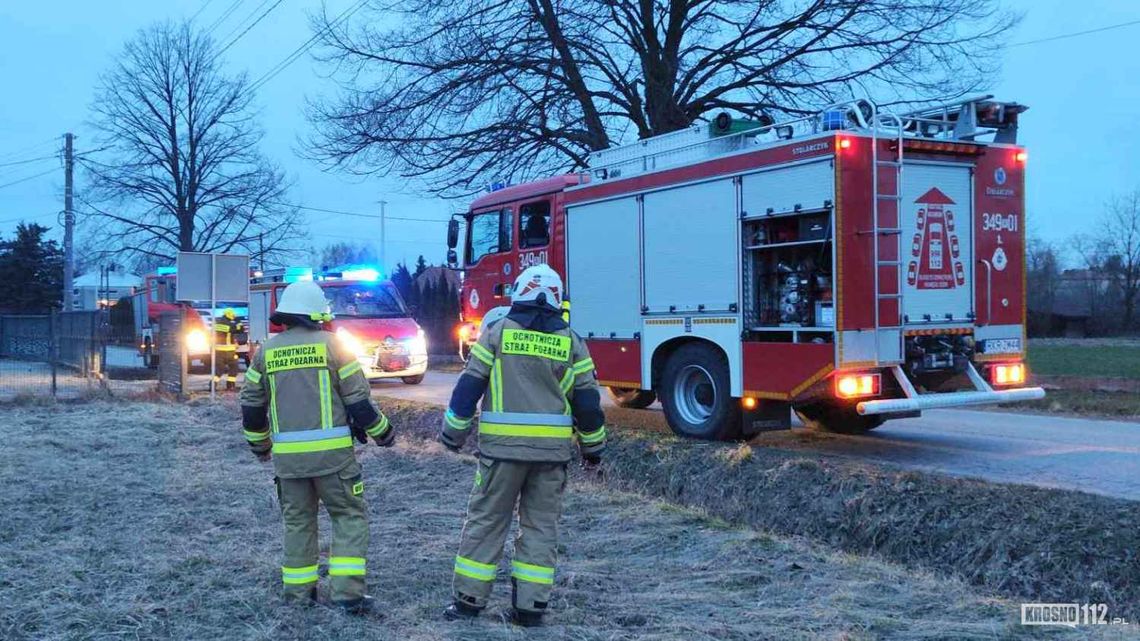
point(53, 347)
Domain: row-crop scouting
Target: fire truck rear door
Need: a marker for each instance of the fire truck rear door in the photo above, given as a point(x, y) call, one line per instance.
point(937, 229)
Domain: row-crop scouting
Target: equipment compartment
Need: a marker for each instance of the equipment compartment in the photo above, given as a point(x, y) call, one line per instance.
point(787, 262)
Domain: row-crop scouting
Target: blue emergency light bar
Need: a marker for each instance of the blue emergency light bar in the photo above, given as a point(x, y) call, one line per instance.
point(294, 274)
point(166, 271)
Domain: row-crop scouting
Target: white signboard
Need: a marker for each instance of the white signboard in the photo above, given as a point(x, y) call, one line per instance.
point(213, 277)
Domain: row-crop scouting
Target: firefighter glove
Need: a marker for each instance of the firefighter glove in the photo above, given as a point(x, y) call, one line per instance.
point(387, 439)
point(263, 451)
point(449, 442)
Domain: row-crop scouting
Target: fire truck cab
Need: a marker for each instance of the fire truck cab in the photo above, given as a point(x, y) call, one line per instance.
point(369, 317)
point(850, 266)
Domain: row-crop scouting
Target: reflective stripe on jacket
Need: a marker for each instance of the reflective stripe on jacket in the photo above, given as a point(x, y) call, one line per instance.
point(303, 379)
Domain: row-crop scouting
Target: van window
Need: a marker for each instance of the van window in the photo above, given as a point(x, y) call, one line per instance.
point(490, 233)
point(534, 220)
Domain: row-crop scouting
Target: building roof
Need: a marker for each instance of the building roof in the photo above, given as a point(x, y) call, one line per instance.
point(114, 279)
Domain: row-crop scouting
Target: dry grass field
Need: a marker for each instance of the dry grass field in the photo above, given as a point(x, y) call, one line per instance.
point(150, 520)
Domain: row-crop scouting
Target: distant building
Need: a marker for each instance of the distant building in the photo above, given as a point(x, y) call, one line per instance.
point(95, 290)
point(1079, 297)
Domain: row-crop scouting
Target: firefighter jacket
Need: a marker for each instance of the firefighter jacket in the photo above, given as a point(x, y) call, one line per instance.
point(538, 390)
point(305, 396)
point(226, 332)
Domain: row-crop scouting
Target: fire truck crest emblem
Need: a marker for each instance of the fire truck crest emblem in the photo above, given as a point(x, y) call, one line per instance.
point(935, 252)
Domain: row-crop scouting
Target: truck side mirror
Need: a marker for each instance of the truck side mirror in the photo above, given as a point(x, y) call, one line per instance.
point(452, 233)
point(452, 259)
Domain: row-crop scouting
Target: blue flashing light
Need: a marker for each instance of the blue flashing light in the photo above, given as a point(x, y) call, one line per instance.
point(166, 271)
point(359, 271)
point(294, 274)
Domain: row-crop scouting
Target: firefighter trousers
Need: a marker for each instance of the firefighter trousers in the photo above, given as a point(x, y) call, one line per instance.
point(343, 496)
point(536, 488)
point(226, 367)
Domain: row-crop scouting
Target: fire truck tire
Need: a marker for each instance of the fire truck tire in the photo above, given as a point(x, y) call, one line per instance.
point(838, 419)
point(694, 393)
point(631, 397)
point(413, 380)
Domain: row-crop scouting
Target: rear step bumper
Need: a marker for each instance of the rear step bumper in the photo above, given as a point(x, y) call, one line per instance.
point(915, 402)
point(953, 399)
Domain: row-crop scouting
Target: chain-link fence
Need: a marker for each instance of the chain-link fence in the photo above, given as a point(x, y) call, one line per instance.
point(62, 355)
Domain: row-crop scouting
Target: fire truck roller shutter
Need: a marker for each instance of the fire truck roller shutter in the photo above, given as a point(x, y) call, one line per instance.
point(602, 275)
point(690, 248)
point(809, 186)
point(938, 275)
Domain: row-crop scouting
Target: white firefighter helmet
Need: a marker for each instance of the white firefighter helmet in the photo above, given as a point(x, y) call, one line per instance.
point(305, 298)
point(495, 314)
point(538, 283)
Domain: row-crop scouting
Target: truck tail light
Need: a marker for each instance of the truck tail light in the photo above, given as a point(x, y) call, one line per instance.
point(1008, 374)
point(1022, 156)
point(856, 385)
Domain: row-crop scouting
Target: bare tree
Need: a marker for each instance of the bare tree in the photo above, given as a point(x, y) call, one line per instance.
point(1120, 238)
point(463, 91)
point(180, 168)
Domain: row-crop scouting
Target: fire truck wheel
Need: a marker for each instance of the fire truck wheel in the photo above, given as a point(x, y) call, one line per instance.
point(830, 417)
point(632, 397)
point(694, 392)
point(413, 380)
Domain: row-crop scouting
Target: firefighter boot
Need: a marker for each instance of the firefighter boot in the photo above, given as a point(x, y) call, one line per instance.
point(358, 606)
point(462, 608)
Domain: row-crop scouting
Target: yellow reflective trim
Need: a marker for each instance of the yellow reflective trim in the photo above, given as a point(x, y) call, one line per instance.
point(474, 569)
point(313, 446)
point(593, 438)
point(325, 383)
point(255, 437)
point(280, 359)
point(273, 403)
point(349, 370)
point(482, 353)
point(583, 366)
point(253, 376)
point(299, 576)
point(497, 390)
point(380, 427)
point(532, 573)
point(530, 343)
point(533, 431)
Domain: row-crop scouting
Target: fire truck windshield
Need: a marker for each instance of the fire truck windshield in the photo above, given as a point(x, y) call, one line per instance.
point(365, 301)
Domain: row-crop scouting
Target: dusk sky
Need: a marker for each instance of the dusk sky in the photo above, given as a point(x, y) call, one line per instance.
point(1082, 129)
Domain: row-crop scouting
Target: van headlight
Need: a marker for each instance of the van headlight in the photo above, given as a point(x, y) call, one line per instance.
point(418, 345)
point(196, 342)
point(350, 342)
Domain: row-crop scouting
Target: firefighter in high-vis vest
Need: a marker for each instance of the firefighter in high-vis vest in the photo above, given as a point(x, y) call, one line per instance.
point(305, 398)
point(538, 389)
point(226, 330)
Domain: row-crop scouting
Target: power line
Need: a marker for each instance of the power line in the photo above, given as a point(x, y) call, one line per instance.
point(27, 178)
point(35, 147)
point(24, 162)
point(359, 214)
point(200, 10)
point(305, 46)
point(251, 26)
point(26, 218)
point(225, 14)
point(1074, 34)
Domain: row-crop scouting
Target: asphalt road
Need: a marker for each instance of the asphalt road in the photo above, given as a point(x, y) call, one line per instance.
point(1101, 457)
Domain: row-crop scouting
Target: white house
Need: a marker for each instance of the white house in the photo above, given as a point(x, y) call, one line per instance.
point(94, 290)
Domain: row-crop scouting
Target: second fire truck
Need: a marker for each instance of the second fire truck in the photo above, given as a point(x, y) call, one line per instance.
point(853, 266)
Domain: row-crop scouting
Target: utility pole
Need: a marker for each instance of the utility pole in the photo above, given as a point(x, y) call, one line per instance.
point(68, 219)
point(383, 239)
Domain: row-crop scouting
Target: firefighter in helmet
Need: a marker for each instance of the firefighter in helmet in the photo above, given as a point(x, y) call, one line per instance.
point(226, 330)
point(305, 398)
point(538, 389)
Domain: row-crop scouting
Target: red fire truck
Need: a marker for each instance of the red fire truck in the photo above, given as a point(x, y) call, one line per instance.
point(156, 297)
point(370, 318)
point(853, 266)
